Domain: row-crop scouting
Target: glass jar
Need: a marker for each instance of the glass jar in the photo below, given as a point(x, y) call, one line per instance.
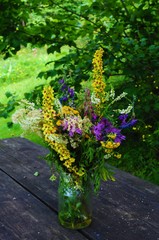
point(74, 202)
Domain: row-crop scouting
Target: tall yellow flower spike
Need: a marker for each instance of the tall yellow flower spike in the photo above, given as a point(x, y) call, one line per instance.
point(98, 82)
point(49, 129)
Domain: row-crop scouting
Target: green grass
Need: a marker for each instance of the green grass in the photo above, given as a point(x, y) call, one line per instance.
point(18, 75)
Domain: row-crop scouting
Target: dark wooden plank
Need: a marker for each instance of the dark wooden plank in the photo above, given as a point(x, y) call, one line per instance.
point(21, 159)
point(127, 209)
point(126, 214)
point(24, 217)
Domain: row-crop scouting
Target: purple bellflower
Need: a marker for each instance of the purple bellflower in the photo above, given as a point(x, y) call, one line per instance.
point(105, 127)
point(125, 123)
point(67, 92)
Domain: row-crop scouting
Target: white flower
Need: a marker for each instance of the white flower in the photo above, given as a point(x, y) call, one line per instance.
point(32, 122)
point(110, 94)
point(58, 138)
point(94, 99)
point(27, 104)
point(127, 110)
point(124, 111)
point(18, 115)
point(58, 105)
point(118, 98)
point(29, 118)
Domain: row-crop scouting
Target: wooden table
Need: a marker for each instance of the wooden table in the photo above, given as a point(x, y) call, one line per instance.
point(127, 209)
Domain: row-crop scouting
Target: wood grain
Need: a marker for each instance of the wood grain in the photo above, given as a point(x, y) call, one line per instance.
point(23, 216)
point(127, 209)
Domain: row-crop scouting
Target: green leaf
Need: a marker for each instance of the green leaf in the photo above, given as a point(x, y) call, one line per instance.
point(104, 174)
point(10, 124)
point(53, 177)
point(8, 94)
point(36, 174)
point(4, 114)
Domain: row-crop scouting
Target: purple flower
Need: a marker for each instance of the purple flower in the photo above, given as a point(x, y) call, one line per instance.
point(123, 117)
point(71, 92)
point(79, 131)
point(61, 81)
point(94, 117)
point(65, 125)
point(126, 124)
point(71, 125)
point(103, 128)
point(74, 130)
point(63, 99)
point(119, 138)
point(67, 92)
point(64, 85)
point(98, 131)
point(71, 133)
point(129, 124)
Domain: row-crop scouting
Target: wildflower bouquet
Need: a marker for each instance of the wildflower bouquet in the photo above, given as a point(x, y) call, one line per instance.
point(82, 129)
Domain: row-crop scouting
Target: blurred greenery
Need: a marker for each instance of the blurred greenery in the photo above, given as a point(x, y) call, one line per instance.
point(127, 31)
point(18, 78)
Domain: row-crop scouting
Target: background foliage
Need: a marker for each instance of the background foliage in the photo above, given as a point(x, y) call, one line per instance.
point(128, 32)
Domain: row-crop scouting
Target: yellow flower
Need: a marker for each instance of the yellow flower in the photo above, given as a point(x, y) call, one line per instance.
point(79, 172)
point(110, 145)
point(118, 155)
point(87, 136)
point(58, 123)
point(69, 111)
point(116, 145)
point(72, 160)
point(108, 150)
point(112, 136)
point(49, 129)
point(67, 164)
point(98, 82)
